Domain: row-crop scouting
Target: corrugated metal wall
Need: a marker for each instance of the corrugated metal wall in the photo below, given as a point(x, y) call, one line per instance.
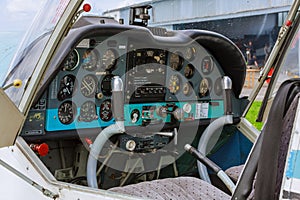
point(168, 12)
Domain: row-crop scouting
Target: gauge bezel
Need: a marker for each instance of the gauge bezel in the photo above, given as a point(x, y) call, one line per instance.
point(208, 88)
point(62, 86)
point(110, 114)
point(91, 65)
point(210, 67)
point(189, 74)
point(112, 65)
point(90, 114)
point(65, 68)
point(94, 86)
point(171, 84)
point(71, 115)
point(178, 63)
point(190, 53)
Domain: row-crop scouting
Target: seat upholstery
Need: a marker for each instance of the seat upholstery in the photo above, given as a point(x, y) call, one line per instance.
point(189, 188)
point(183, 188)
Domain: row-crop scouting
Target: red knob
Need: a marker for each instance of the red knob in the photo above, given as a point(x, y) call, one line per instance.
point(40, 149)
point(87, 7)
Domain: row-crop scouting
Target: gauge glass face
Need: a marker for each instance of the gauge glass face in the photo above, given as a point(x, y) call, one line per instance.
point(66, 112)
point(88, 85)
point(88, 112)
point(190, 53)
point(175, 61)
point(90, 59)
point(189, 71)
point(109, 59)
point(207, 65)
point(204, 87)
point(67, 87)
point(72, 61)
point(106, 85)
point(106, 111)
point(218, 87)
point(174, 84)
point(187, 89)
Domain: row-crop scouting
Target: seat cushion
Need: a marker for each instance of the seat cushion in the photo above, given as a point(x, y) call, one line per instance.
point(234, 172)
point(181, 188)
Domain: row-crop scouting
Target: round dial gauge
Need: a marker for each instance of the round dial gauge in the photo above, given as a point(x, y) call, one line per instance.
point(106, 85)
point(88, 85)
point(106, 111)
point(72, 61)
point(67, 87)
point(90, 59)
point(204, 87)
point(207, 65)
point(88, 112)
point(175, 61)
point(190, 53)
point(218, 87)
point(187, 89)
point(109, 59)
point(174, 84)
point(189, 71)
point(66, 112)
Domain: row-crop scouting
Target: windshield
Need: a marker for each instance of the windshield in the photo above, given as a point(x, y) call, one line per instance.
point(32, 46)
point(252, 26)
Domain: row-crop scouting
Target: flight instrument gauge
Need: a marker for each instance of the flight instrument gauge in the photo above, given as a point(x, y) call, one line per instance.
point(67, 87)
point(190, 53)
point(90, 60)
point(175, 61)
point(106, 111)
point(204, 87)
point(88, 85)
point(88, 112)
point(72, 61)
point(174, 84)
point(109, 59)
point(189, 71)
point(66, 112)
point(207, 65)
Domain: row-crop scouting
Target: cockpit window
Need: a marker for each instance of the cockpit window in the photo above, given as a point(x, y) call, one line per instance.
point(26, 58)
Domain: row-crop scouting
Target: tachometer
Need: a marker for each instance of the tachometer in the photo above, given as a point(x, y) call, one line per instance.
point(67, 87)
point(109, 59)
point(106, 111)
point(88, 112)
point(90, 60)
point(72, 61)
point(66, 112)
point(88, 85)
point(174, 84)
point(175, 61)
